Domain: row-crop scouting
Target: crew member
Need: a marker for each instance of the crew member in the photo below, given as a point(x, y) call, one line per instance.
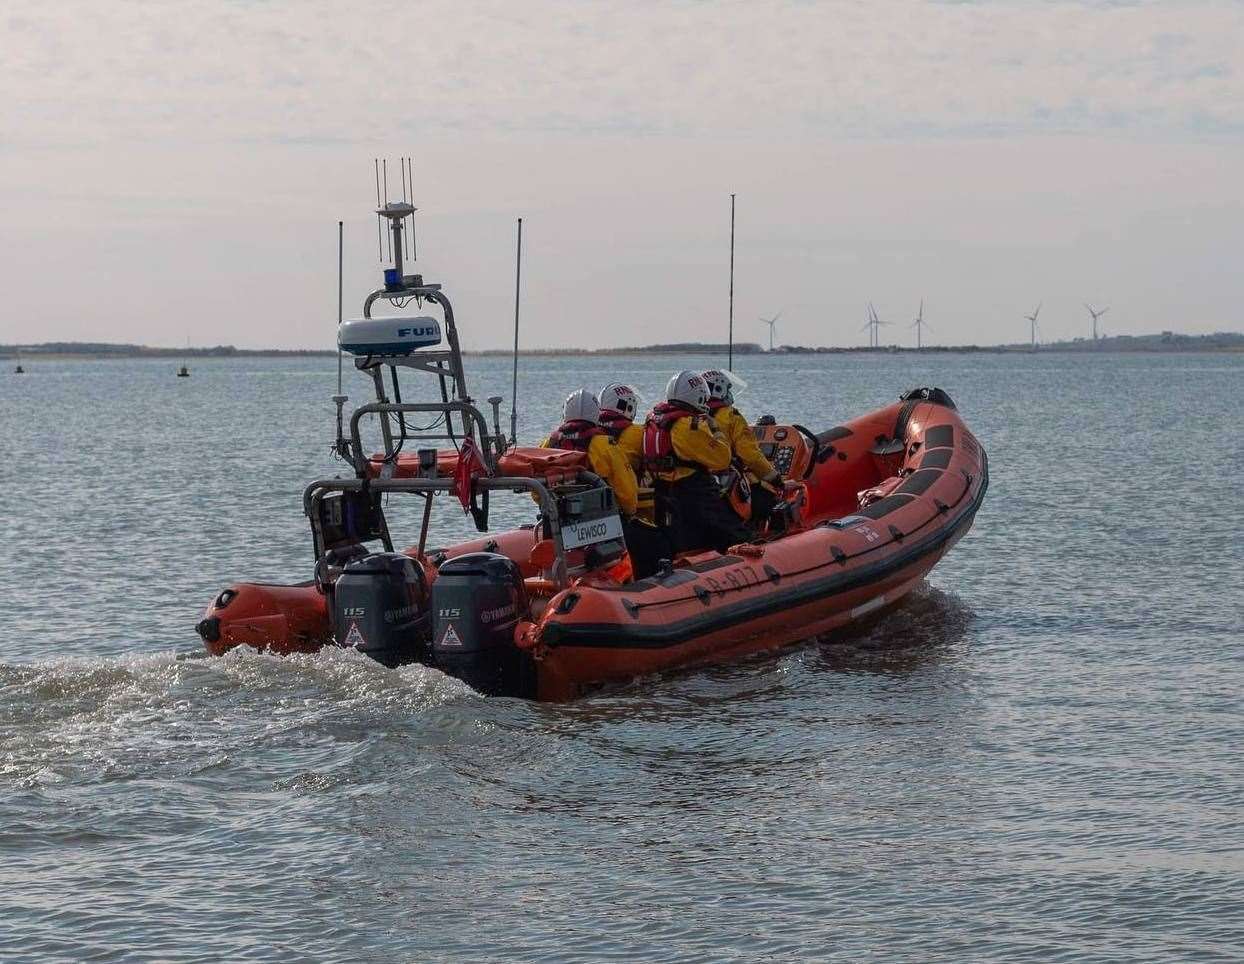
point(581, 430)
point(618, 406)
point(746, 454)
point(682, 449)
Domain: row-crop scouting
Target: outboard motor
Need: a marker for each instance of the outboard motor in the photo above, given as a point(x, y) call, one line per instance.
point(380, 607)
point(477, 600)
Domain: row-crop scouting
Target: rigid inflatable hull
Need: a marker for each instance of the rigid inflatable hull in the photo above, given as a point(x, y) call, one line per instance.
point(842, 570)
point(580, 660)
point(843, 565)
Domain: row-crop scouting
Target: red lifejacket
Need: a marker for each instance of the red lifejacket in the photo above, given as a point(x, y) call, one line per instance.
point(716, 404)
point(658, 450)
point(614, 422)
point(576, 435)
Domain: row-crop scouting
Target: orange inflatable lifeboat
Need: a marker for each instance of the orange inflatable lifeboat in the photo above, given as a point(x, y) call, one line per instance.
point(548, 611)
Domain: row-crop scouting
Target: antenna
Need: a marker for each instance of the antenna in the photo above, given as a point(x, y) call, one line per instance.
point(1096, 314)
point(402, 165)
point(772, 323)
point(340, 398)
point(518, 279)
point(730, 347)
point(410, 177)
point(379, 219)
point(384, 168)
point(340, 287)
point(1033, 318)
point(396, 213)
point(920, 324)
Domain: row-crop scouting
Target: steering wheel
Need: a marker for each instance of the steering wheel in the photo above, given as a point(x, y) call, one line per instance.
point(814, 446)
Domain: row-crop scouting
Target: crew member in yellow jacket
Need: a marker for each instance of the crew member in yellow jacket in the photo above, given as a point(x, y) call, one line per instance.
point(581, 431)
point(619, 404)
point(746, 454)
point(683, 450)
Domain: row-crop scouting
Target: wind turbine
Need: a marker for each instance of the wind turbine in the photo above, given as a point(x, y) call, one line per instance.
point(919, 324)
point(772, 323)
point(1033, 318)
point(1096, 314)
point(874, 327)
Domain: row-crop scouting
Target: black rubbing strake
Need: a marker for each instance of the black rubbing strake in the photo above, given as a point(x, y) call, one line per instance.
point(885, 506)
point(940, 436)
point(918, 483)
point(834, 434)
point(708, 565)
point(904, 416)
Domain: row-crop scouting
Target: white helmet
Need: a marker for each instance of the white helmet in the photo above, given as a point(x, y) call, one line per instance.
point(689, 388)
point(581, 406)
point(720, 385)
point(616, 397)
point(723, 384)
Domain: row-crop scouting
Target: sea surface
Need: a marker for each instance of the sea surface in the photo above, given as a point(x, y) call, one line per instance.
point(1040, 756)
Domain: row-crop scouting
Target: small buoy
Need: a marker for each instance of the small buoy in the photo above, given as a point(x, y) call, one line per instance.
point(19, 370)
point(183, 372)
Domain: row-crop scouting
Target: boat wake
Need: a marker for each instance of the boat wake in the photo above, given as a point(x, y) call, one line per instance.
point(77, 720)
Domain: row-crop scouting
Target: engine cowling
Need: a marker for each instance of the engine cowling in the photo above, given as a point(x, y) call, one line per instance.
point(380, 608)
point(477, 601)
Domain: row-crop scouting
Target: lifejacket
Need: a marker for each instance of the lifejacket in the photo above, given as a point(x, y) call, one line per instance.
point(576, 435)
point(658, 450)
point(735, 488)
point(738, 493)
point(614, 423)
point(715, 405)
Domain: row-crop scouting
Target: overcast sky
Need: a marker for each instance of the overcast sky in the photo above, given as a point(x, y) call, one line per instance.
point(173, 170)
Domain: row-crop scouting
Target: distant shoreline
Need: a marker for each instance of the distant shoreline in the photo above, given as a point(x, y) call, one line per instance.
point(1167, 342)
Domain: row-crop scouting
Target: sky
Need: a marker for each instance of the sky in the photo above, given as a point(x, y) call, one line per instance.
point(176, 170)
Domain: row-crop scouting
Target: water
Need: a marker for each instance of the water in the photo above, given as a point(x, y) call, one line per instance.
point(1037, 757)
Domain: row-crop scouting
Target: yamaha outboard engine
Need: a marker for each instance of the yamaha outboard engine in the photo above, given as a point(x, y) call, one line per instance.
point(380, 607)
point(477, 600)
